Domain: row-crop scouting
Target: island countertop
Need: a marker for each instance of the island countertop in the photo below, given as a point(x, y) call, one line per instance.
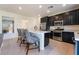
point(40, 31)
point(41, 36)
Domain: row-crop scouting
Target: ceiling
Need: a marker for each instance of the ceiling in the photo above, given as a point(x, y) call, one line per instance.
point(34, 10)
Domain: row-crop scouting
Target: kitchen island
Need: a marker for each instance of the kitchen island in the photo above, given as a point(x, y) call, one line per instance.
point(44, 38)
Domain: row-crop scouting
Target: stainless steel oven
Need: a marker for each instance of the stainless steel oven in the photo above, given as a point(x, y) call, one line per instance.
point(57, 35)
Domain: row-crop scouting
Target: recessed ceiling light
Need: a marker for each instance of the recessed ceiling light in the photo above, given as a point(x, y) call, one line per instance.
point(63, 5)
point(40, 6)
point(48, 11)
point(20, 8)
point(39, 15)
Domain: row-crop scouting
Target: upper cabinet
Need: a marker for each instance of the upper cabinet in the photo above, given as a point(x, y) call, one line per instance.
point(47, 21)
point(69, 18)
point(44, 19)
point(78, 16)
point(73, 17)
point(51, 20)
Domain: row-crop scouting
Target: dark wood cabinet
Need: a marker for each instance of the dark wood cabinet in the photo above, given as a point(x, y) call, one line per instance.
point(51, 34)
point(46, 20)
point(48, 23)
point(77, 47)
point(68, 37)
point(46, 40)
point(73, 17)
point(69, 18)
point(77, 16)
point(51, 20)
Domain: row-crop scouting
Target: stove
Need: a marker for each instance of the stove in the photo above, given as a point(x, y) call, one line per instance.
point(57, 34)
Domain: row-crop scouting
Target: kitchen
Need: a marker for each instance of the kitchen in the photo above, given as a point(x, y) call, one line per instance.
point(64, 27)
point(59, 26)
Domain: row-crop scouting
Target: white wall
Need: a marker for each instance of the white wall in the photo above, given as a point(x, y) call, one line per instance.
point(19, 22)
point(33, 21)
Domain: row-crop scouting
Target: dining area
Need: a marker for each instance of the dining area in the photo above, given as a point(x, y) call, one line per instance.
point(27, 38)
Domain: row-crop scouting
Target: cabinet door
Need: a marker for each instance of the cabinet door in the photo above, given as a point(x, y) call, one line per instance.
point(44, 19)
point(46, 40)
point(66, 19)
point(73, 17)
point(78, 16)
point(51, 34)
point(47, 23)
point(64, 22)
point(51, 20)
point(67, 37)
point(77, 48)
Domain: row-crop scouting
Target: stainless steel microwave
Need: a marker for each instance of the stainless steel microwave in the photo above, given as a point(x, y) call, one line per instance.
point(58, 23)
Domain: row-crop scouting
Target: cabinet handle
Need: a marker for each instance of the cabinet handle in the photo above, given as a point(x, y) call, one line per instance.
point(73, 39)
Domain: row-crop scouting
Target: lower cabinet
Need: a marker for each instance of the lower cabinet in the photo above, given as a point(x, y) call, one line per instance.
point(77, 48)
point(46, 40)
point(51, 35)
point(68, 37)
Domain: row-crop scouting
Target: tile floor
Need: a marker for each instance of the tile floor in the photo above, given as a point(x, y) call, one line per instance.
point(11, 47)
